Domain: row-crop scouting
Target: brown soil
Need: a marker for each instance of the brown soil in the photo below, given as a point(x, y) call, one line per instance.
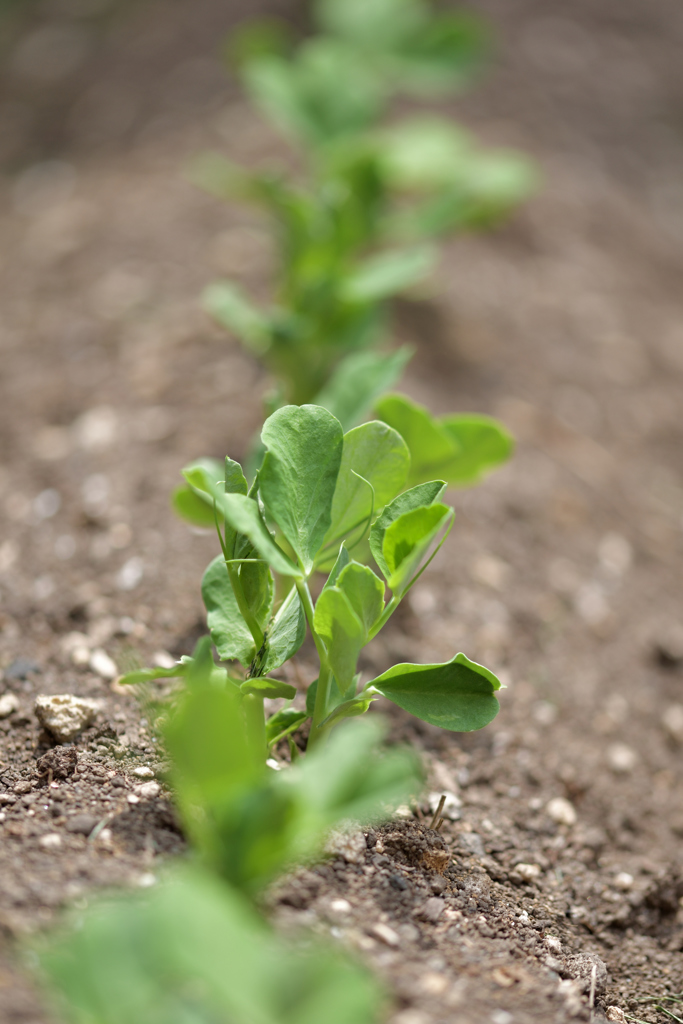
point(563, 572)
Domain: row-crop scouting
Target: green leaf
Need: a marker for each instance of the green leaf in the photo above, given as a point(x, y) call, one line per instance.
point(343, 559)
point(229, 632)
point(442, 56)
point(417, 497)
point(148, 675)
point(370, 23)
point(298, 476)
point(261, 686)
point(343, 634)
point(286, 633)
point(364, 592)
point(484, 444)
point(350, 708)
point(283, 723)
point(423, 152)
point(431, 446)
point(357, 381)
point(194, 503)
point(377, 454)
point(382, 276)
point(243, 515)
point(226, 304)
point(457, 695)
point(407, 539)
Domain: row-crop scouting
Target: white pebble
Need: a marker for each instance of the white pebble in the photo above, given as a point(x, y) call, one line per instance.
point(143, 772)
point(51, 841)
point(103, 665)
point(621, 759)
point(8, 704)
point(64, 715)
point(672, 722)
point(97, 428)
point(130, 574)
point(529, 872)
point(133, 799)
point(561, 811)
point(148, 790)
point(340, 907)
point(614, 1013)
point(385, 934)
point(553, 943)
point(624, 881)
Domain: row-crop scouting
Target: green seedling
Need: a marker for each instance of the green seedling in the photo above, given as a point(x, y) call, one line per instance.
point(323, 502)
point(192, 951)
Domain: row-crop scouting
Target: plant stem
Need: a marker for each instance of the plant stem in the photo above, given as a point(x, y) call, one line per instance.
point(255, 720)
point(245, 610)
point(325, 675)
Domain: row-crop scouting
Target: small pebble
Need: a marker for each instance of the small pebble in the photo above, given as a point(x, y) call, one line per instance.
point(102, 665)
point(431, 910)
point(672, 722)
point(22, 787)
point(529, 872)
point(561, 811)
point(148, 790)
point(615, 1014)
point(8, 704)
point(133, 799)
point(143, 772)
point(623, 881)
point(81, 824)
point(621, 759)
point(385, 934)
point(340, 907)
point(51, 841)
point(553, 943)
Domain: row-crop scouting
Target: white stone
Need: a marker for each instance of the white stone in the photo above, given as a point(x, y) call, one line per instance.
point(51, 841)
point(162, 659)
point(133, 799)
point(340, 907)
point(103, 665)
point(615, 1013)
point(672, 722)
point(553, 943)
point(529, 872)
point(148, 790)
point(143, 772)
point(385, 934)
point(621, 759)
point(64, 715)
point(624, 881)
point(561, 811)
point(8, 704)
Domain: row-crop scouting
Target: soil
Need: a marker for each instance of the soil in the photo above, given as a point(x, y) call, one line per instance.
point(557, 879)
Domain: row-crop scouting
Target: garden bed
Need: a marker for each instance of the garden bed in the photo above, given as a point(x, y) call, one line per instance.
point(562, 572)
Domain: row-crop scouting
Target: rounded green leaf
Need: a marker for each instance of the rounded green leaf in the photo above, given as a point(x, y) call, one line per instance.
point(299, 474)
point(342, 632)
point(365, 593)
point(229, 631)
point(376, 453)
point(286, 633)
point(457, 695)
point(484, 445)
point(431, 446)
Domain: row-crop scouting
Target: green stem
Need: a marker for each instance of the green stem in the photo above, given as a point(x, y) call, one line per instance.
point(386, 615)
point(255, 721)
point(325, 675)
point(245, 610)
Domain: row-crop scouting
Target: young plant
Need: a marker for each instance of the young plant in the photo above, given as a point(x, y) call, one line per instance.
point(354, 232)
point(192, 949)
point(324, 502)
